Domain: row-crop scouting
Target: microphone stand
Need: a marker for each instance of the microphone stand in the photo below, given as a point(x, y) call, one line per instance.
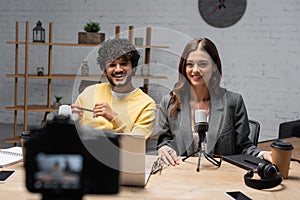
point(201, 128)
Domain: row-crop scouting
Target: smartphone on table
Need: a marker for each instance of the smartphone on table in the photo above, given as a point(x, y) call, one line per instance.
point(5, 175)
point(237, 195)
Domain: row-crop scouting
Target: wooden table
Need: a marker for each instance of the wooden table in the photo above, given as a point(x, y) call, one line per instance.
point(179, 182)
point(295, 141)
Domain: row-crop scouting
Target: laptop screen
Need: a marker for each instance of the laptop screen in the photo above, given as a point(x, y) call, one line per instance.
point(133, 170)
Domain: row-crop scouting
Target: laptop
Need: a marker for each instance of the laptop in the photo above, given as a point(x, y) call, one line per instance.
point(134, 170)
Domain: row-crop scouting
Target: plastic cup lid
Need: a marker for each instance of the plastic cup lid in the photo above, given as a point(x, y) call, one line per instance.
point(283, 145)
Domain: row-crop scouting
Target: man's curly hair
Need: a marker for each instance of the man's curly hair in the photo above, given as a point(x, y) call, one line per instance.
point(119, 48)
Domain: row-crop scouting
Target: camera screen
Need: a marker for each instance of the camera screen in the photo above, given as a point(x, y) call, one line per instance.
point(58, 172)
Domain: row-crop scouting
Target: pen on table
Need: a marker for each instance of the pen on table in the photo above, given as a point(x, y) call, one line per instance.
point(86, 109)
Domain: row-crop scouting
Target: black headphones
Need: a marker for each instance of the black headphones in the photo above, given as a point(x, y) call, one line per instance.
point(270, 177)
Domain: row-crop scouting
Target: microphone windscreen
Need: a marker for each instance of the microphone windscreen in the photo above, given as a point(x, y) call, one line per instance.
point(200, 116)
point(65, 110)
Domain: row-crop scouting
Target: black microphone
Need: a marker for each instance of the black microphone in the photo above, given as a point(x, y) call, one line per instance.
point(201, 124)
point(201, 127)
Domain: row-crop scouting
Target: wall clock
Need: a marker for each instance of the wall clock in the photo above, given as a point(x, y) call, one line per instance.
point(222, 13)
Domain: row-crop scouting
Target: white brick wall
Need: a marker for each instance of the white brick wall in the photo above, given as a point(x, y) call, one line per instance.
point(260, 54)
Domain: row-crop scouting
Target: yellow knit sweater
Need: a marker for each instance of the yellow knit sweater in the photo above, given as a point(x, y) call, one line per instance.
point(136, 111)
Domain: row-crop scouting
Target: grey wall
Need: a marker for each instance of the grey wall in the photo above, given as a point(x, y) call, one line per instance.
point(260, 54)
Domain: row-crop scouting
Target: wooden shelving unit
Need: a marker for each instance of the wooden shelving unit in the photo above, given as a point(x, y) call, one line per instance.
point(16, 107)
point(73, 76)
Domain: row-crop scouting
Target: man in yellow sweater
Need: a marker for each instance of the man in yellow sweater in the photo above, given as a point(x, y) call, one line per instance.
point(117, 105)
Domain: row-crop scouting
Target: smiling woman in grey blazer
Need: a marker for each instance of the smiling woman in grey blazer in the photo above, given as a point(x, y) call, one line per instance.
point(198, 87)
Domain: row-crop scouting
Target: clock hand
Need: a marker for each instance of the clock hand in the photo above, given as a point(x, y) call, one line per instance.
point(219, 5)
point(220, 1)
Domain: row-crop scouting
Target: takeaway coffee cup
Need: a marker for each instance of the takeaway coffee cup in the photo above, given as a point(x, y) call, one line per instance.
point(281, 156)
point(25, 135)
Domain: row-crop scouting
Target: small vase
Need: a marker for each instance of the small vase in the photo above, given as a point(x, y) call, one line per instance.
point(40, 71)
point(56, 104)
point(138, 41)
point(145, 70)
point(84, 68)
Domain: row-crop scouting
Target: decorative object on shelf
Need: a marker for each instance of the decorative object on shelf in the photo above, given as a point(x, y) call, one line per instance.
point(84, 68)
point(91, 36)
point(145, 70)
point(57, 102)
point(40, 71)
point(38, 33)
point(138, 41)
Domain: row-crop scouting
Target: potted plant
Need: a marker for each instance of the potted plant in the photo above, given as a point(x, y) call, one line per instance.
point(57, 102)
point(91, 35)
point(91, 26)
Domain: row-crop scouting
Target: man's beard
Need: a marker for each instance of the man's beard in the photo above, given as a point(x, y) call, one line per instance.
point(110, 80)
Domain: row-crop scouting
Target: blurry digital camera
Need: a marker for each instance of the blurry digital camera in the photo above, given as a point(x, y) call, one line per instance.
point(66, 160)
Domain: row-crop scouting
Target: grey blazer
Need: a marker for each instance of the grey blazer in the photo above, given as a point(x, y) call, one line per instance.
point(228, 126)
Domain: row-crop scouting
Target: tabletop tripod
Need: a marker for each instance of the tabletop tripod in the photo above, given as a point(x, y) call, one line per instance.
point(201, 129)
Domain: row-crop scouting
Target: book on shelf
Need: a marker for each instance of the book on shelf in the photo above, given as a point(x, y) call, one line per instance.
point(10, 156)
